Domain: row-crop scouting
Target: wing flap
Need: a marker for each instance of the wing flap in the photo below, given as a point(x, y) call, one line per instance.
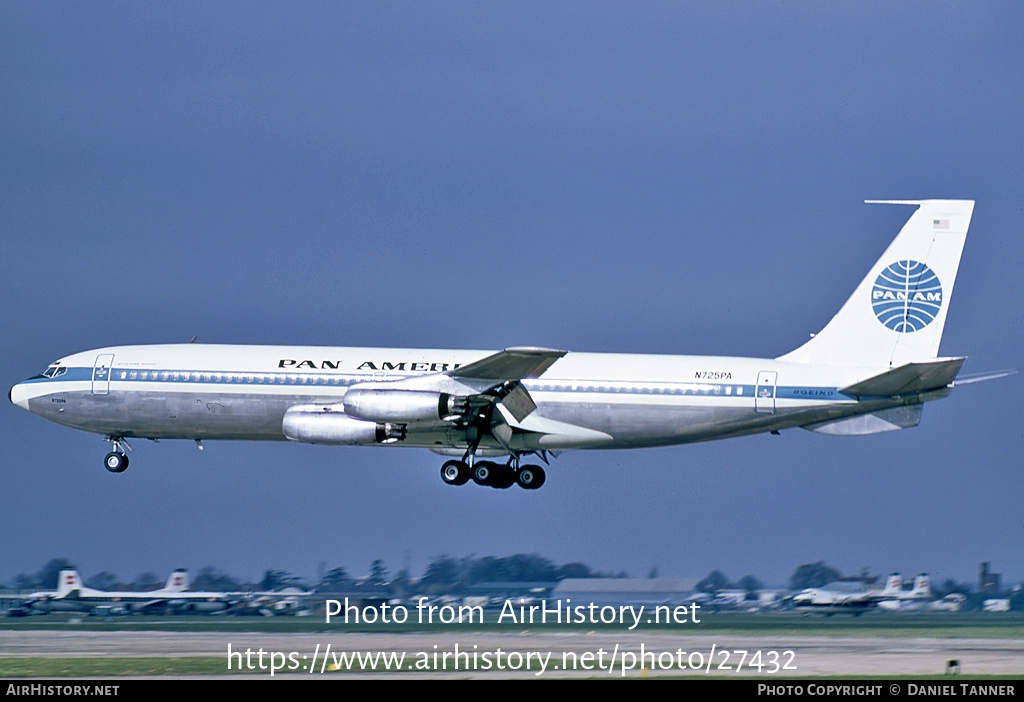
point(519, 402)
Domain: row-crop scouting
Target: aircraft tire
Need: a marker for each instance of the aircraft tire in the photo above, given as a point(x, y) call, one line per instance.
point(530, 477)
point(116, 462)
point(484, 472)
point(455, 473)
point(503, 478)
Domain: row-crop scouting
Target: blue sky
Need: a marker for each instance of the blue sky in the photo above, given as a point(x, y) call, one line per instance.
point(630, 177)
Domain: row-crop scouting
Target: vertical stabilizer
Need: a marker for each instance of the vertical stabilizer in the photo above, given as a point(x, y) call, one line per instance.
point(897, 313)
point(178, 582)
point(893, 585)
point(68, 582)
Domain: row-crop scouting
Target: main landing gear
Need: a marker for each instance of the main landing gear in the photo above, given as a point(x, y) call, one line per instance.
point(495, 475)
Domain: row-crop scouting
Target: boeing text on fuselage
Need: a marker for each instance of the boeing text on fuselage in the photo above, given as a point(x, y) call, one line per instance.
point(871, 369)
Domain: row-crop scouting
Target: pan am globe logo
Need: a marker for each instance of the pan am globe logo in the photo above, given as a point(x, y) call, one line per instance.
point(906, 296)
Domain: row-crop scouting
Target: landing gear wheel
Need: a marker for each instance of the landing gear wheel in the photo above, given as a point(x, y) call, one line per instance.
point(455, 473)
point(530, 477)
point(504, 477)
point(116, 462)
point(484, 472)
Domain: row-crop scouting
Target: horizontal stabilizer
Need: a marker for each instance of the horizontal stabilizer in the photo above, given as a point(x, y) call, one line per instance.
point(510, 364)
point(908, 379)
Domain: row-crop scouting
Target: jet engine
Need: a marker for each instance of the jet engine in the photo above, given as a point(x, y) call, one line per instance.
point(317, 424)
point(390, 405)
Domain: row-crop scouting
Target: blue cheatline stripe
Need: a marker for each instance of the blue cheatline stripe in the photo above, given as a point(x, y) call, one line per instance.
point(721, 390)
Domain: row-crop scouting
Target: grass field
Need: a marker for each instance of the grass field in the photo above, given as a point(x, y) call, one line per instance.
point(109, 667)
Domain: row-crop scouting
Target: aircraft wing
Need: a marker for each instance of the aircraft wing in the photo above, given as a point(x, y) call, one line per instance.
point(513, 406)
point(908, 379)
point(510, 364)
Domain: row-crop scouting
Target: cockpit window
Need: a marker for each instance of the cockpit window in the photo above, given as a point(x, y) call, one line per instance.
point(54, 371)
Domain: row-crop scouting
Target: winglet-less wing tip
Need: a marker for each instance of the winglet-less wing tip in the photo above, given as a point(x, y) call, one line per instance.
point(513, 363)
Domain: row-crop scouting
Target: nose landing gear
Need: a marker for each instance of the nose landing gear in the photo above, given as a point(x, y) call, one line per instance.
point(117, 460)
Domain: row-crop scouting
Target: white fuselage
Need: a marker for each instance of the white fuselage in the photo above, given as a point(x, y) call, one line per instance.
point(197, 391)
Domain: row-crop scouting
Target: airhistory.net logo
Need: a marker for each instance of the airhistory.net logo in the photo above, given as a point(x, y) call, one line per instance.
point(906, 296)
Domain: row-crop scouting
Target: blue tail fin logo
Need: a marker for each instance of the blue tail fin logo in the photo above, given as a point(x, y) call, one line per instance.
point(906, 296)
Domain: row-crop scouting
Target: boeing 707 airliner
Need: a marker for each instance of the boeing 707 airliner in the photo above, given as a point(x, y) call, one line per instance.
point(871, 369)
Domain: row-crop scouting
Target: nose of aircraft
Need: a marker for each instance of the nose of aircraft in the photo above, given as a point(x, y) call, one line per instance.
point(19, 395)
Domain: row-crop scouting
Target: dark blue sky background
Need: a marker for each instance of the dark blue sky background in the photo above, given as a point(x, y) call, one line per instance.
point(630, 177)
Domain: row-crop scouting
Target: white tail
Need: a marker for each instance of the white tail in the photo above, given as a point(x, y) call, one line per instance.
point(897, 313)
point(178, 582)
point(922, 586)
point(67, 582)
point(894, 585)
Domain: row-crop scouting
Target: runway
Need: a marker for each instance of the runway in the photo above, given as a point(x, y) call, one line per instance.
point(534, 654)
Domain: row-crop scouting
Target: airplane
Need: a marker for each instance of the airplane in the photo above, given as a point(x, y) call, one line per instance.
point(72, 596)
point(181, 600)
point(831, 601)
point(67, 582)
point(909, 599)
point(871, 369)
